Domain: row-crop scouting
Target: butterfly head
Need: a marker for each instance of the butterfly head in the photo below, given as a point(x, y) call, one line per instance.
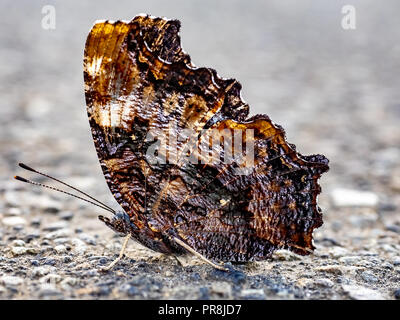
point(120, 222)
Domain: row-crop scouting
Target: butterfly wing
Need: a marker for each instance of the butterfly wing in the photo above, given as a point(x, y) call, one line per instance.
point(140, 85)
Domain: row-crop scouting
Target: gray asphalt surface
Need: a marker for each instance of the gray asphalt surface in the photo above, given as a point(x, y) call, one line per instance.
point(335, 92)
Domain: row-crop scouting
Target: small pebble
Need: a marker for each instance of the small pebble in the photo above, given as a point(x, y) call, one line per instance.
point(12, 199)
point(361, 293)
point(334, 269)
point(387, 206)
point(353, 198)
point(31, 237)
point(70, 281)
point(48, 291)
point(195, 276)
point(324, 283)
point(387, 265)
point(35, 222)
point(369, 277)
point(60, 249)
point(397, 294)
point(350, 260)
point(62, 233)
point(61, 241)
point(66, 215)
point(91, 273)
point(13, 221)
point(87, 238)
point(51, 278)
point(32, 250)
point(221, 289)
point(18, 243)
point(67, 259)
point(56, 226)
point(129, 289)
point(256, 294)
point(45, 243)
point(42, 271)
point(79, 246)
point(14, 212)
point(393, 228)
point(11, 280)
point(17, 251)
point(51, 210)
point(133, 291)
point(304, 282)
point(50, 262)
point(337, 252)
point(35, 263)
point(285, 255)
point(204, 293)
point(101, 290)
point(18, 228)
point(366, 220)
point(396, 261)
point(388, 248)
point(329, 242)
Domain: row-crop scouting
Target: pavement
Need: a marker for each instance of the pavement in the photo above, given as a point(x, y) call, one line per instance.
point(335, 92)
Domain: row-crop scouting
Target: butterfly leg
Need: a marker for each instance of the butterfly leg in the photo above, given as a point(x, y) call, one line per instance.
point(121, 255)
point(191, 250)
point(177, 260)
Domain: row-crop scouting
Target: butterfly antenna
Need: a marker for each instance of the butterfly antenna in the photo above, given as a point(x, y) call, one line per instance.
point(62, 191)
point(24, 166)
point(145, 194)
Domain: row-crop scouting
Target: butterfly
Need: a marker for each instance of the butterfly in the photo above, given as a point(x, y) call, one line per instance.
point(141, 90)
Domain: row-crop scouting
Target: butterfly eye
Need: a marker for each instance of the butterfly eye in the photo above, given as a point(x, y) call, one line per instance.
point(104, 219)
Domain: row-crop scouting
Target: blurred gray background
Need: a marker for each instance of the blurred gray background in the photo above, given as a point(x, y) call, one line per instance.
point(335, 91)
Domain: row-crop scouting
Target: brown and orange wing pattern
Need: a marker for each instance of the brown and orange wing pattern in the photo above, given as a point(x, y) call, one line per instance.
point(139, 80)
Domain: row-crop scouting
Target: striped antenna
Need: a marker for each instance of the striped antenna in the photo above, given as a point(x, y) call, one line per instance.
point(95, 201)
point(62, 191)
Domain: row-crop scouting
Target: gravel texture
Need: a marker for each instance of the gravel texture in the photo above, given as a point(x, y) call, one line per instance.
point(335, 92)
